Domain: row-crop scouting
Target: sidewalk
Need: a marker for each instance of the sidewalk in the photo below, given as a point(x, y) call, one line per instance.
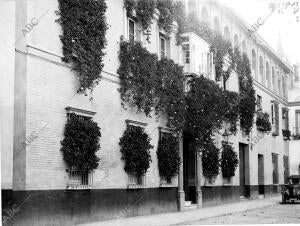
point(191, 215)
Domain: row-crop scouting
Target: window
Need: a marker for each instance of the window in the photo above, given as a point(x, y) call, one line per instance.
point(275, 118)
point(204, 15)
point(244, 48)
point(163, 47)
point(273, 80)
point(210, 60)
point(192, 7)
point(216, 25)
point(131, 30)
point(186, 53)
point(135, 182)
point(259, 103)
point(285, 119)
point(254, 62)
point(236, 41)
point(162, 134)
point(268, 75)
point(79, 179)
point(226, 33)
point(297, 119)
point(286, 168)
point(261, 70)
point(275, 168)
point(279, 84)
point(284, 93)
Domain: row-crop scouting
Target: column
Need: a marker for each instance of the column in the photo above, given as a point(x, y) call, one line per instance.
point(181, 195)
point(198, 177)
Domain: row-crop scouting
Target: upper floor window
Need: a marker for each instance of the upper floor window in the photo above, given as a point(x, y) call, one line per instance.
point(259, 103)
point(216, 25)
point(275, 118)
point(297, 122)
point(192, 7)
point(236, 41)
point(254, 61)
point(284, 94)
point(204, 15)
point(186, 53)
point(131, 30)
point(163, 47)
point(226, 33)
point(275, 168)
point(285, 119)
point(273, 80)
point(261, 69)
point(268, 75)
point(244, 48)
point(279, 84)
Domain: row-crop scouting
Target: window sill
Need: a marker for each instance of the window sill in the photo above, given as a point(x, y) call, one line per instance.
point(167, 186)
point(135, 186)
point(71, 187)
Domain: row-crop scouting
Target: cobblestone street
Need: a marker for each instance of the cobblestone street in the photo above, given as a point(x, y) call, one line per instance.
point(276, 214)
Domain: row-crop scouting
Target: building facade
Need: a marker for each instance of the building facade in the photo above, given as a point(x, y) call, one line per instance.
point(294, 115)
point(45, 93)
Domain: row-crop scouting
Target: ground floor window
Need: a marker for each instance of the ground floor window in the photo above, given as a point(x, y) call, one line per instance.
point(275, 168)
point(79, 179)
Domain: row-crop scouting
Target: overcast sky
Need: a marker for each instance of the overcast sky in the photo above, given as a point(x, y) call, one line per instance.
point(284, 23)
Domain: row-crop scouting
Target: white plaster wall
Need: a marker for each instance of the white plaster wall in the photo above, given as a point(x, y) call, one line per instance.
point(7, 60)
point(52, 87)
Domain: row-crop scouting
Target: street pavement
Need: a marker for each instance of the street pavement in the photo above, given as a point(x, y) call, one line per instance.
point(275, 214)
point(264, 210)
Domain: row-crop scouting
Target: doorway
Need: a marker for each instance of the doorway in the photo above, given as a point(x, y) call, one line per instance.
point(261, 173)
point(189, 170)
point(244, 170)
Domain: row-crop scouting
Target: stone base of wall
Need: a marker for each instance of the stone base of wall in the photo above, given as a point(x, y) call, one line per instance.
point(61, 207)
point(216, 195)
point(266, 190)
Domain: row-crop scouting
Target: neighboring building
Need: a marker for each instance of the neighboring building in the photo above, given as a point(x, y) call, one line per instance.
point(264, 158)
point(45, 92)
point(294, 115)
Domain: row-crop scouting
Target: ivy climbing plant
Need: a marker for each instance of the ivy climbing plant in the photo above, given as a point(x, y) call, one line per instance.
point(211, 161)
point(144, 11)
point(247, 102)
point(135, 148)
point(166, 9)
point(80, 143)
point(168, 156)
point(229, 161)
point(137, 76)
point(156, 85)
point(169, 93)
point(83, 37)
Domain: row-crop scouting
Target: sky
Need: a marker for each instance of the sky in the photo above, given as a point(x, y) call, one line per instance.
point(284, 23)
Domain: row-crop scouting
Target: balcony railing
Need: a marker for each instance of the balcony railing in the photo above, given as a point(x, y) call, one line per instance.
point(286, 134)
point(167, 183)
point(296, 133)
point(135, 182)
point(79, 179)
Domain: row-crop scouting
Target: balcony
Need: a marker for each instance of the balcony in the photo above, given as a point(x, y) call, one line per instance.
point(296, 133)
point(197, 58)
point(79, 179)
point(286, 134)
